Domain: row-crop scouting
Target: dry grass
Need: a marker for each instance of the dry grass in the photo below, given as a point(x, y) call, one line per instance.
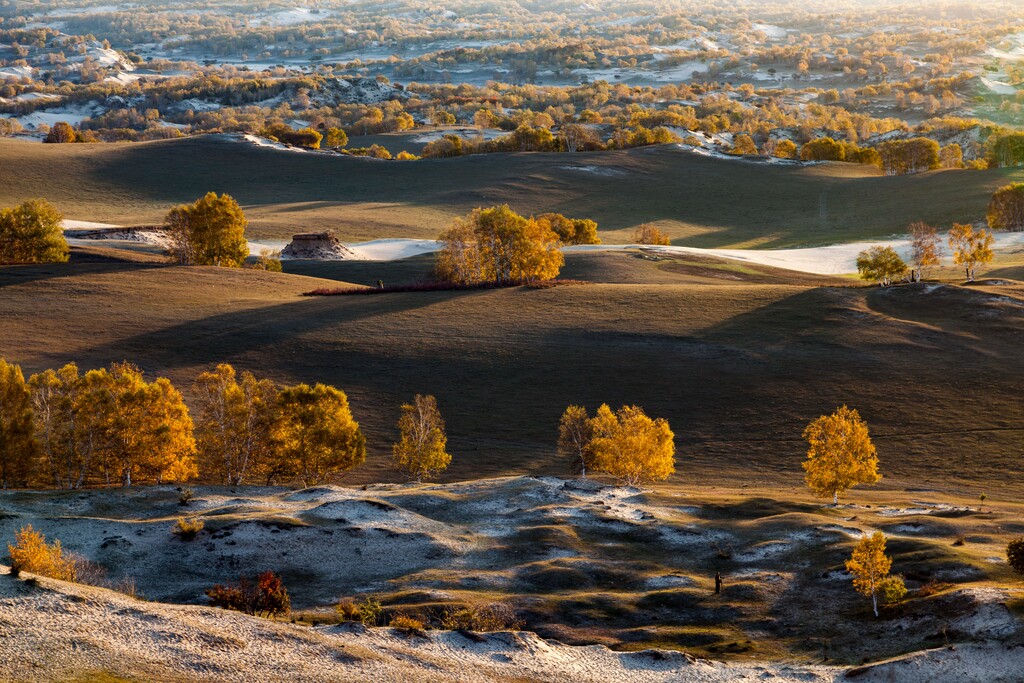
point(697, 201)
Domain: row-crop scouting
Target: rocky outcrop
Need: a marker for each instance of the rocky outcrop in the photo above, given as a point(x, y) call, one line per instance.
point(317, 246)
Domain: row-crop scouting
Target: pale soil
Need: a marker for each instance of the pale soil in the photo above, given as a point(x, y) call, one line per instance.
point(55, 630)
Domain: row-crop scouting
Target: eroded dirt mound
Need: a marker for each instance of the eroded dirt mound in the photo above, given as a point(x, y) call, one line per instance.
point(317, 246)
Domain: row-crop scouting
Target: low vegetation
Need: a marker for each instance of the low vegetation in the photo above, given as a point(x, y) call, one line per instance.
point(187, 528)
point(263, 596)
point(31, 553)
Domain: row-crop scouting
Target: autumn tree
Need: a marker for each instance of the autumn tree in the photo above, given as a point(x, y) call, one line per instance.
point(208, 232)
point(951, 156)
point(234, 424)
point(570, 230)
point(900, 157)
point(17, 430)
point(63, 132)
point(500, 246)
point(316, 436)
point(1006, 209)
point(840, 454)
point(577, 137)
point(925, 248)
point(420, 451)
point(31, 553)
point(1006, 150)
point(632, 447)
point(575, 433)
point(645, 233)
point(743, 145)
point(970, 247)
point(32, 233)
point(336, 137)
point(71, 412)
point(823, 149)
point(148, 431)
point(870, 567)
point(784, 149)
point(880, 264)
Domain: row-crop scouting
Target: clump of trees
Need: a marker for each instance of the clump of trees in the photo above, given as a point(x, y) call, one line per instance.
point(626, 444)
point(970, 247)
point(63, 132)
point(1006, 209)
point(306, 137)
point(880, 264)
point(570, 231)
point(32, 233)
point(65, 429)
point(499, 246)
point(645, 233)
point(208, 232)
point(421, 448)
point(900, 157)
point(840, 454)
point(266, 596)
point(870, 567)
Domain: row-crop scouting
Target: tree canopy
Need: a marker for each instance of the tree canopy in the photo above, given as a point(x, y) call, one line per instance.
point(881, 265)
point(208, 232)
point(32, 233)
point(315, 434)
point(421, 448)
point(1006, 209)
point(840, 454)
point(970, 247)
point(870, 567)
point(632, 447)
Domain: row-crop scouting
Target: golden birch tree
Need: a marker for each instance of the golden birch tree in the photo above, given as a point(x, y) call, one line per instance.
point(575, 433)
point(632, 447)
point(17, 430)
point(32, 233)
point(925, 248)
point(420, 451)
point(970, 247)
point(870, 567)
point(840, 454)
point(316, 435)
point(208, 232)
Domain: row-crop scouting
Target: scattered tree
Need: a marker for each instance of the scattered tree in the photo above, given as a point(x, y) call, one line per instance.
point(970, 247)
point(208, 232)
point(646, 233)
point(570, 231)
point(840, 454)
point(743, 145)
point(498, 245)
point(63, 132)
point(336, 137)
point(823, 149)
point(17, 430)
point(420, 451)
point(575, 433)
point(32, 233)
point(632, 447)
point(881, 265)
point(870, 568)
point(925, 248)
point(315, 434)
point(1006, 210)
point(784, 149)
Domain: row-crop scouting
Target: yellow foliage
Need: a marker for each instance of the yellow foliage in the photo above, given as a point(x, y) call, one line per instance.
point(498, 245)
point(648, 234)
point(17, 430)
point(420, 451)
point(575, 433)
point(970, 247)
point(208, 232)
point(870, 568)
point(840, 454)
point(31, 553)
point(315, 434)
point(632, 447)
point(32, 233)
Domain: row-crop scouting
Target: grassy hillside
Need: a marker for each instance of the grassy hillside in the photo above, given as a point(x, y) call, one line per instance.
point(701, 202)
point(737, 368)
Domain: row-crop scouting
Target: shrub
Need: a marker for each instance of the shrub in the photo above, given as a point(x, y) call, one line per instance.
point(185, 497)
point(187, 529)
point(369, 612)
point(496, 616)
point(266, 598)
point(409, 625)
point(347, 610)
point(31, 553)
point(892, 590)
point(1015, 554)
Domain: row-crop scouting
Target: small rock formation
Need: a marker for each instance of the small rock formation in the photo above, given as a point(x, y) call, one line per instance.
point(317, 246)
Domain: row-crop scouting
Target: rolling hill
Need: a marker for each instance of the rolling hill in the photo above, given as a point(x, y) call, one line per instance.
point(701, 202)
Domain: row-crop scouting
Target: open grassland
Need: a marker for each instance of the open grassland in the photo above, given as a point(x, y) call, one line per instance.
point(581, 562)
point(738, 368)
point(700, 202)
